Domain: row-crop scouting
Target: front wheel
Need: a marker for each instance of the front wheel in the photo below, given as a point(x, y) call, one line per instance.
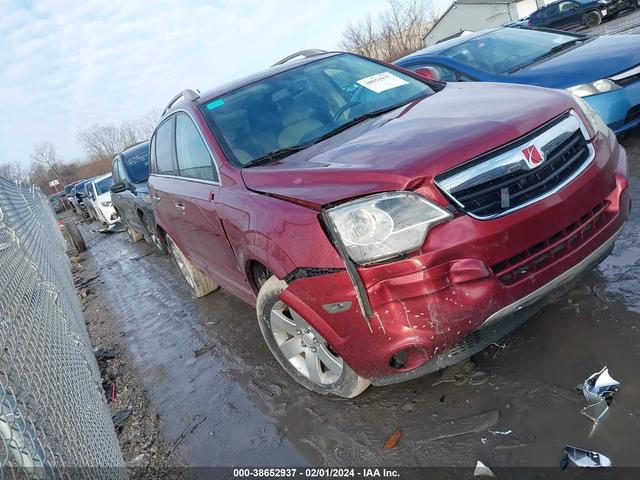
point(300, 349)
point(592, 19)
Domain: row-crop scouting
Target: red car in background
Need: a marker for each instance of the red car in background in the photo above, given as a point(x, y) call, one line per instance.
point(383, 225)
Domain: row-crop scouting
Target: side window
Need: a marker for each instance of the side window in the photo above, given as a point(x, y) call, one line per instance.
point(194, 160)
point(122, 173)
point(114, 171)
point(153, 168)
point(165, 151)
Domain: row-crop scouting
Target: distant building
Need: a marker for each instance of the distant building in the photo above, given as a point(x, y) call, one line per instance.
point(474, 15)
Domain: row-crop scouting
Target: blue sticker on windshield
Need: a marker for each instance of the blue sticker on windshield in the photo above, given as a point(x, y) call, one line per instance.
point(215, 104)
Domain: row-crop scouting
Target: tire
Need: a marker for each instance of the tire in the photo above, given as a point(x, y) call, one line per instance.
point(133, 235)
point(286, 331)
point(74, 237)
point(591, 19)
point(199, 281)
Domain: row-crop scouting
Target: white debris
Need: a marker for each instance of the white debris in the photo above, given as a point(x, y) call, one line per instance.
point(482, 470)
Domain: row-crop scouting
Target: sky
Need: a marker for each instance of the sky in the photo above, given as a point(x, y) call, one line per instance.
point(65, 65)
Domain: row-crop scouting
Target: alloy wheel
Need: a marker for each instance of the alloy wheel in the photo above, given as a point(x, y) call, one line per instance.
point(303, 347)
point(181, 266)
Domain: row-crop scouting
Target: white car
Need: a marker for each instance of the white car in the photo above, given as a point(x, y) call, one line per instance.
point(101, 200)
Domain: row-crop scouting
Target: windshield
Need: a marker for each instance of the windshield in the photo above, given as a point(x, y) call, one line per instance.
point(506, 49)
point(136, 162)
point(80, 188)
point(301, 105)
point(102, 186)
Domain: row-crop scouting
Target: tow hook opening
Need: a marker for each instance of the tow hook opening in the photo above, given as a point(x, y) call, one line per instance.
point(399, 359)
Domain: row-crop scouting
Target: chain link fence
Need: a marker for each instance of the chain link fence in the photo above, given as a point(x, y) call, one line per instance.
point(53, 413)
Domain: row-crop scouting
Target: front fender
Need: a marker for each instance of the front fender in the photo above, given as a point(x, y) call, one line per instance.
point(288, 237)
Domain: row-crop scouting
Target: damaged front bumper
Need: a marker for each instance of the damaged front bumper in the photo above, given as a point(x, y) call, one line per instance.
point(472, 283)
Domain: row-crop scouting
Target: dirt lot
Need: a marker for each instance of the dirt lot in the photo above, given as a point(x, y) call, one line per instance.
point(200, 374)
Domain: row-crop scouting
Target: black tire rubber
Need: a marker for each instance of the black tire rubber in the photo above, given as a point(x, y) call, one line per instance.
point(74, 237)
point(591, 19)
point(350, 383)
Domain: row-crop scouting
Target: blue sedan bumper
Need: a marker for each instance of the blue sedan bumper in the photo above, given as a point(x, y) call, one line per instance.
point(620, 109)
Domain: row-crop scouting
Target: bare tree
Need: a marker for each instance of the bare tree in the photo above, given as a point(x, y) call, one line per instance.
point(45, 154)
point(398, 31)
point(14, 172)
point(105, 141)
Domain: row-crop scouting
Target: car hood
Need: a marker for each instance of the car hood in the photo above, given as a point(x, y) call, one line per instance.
point(409, 146)
point(595, 59)
point(105, 197)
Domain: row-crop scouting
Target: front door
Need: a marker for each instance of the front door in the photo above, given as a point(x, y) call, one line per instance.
point(204, 238)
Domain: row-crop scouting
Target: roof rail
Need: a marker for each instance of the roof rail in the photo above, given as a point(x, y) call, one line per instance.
point(302, 53)
point(186, 94)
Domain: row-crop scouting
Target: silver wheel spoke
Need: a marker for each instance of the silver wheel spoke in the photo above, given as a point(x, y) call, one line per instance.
point(281, 323)
point(332, 363)
point(300, 322)
point(313, 366)
point(291, 348)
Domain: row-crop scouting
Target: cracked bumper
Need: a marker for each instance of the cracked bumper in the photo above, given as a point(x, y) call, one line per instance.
point(452, 292)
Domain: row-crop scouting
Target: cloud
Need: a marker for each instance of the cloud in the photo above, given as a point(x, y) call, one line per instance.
point(68, 64)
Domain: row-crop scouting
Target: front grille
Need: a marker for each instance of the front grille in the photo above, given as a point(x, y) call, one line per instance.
point(489, 198)
point(633, 114)
point(559, 245)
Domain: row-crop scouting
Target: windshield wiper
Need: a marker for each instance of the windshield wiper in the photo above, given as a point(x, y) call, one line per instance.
point(276, 155)
point(552, 51)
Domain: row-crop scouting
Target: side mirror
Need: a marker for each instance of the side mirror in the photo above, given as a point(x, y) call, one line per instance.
point(429, 73)
point(118, 187)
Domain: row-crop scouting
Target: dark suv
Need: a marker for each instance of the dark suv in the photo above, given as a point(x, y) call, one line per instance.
point(383, 225)
point(566, 14)
point(130, 193)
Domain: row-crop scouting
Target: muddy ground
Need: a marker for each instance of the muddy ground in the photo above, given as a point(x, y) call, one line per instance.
point(218, 397)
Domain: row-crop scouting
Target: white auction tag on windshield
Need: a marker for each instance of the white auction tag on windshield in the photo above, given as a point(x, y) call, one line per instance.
point(382, 81)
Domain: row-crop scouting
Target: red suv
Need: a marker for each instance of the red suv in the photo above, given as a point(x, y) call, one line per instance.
point(383, 225)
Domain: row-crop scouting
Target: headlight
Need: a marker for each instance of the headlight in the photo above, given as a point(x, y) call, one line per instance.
point(383, 226)
point(105, 204)
point(594, 88)
point(594, 119)
point(147, 199)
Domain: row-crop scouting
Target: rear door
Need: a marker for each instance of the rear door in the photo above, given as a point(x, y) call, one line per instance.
point(198, 184)
point(162, 181)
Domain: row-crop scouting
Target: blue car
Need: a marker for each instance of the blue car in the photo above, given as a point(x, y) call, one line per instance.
point(604, 70)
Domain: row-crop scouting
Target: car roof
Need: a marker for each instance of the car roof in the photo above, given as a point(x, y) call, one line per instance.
point(215, 92)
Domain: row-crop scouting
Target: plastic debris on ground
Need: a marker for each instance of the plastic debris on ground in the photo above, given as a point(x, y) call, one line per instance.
point(498, 432)
point(599, 385)
point(482, 470)
point(583, 458)
point(599, 390)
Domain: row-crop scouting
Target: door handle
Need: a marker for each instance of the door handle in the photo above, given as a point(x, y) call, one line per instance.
point(156, 198)
point(180, 207)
